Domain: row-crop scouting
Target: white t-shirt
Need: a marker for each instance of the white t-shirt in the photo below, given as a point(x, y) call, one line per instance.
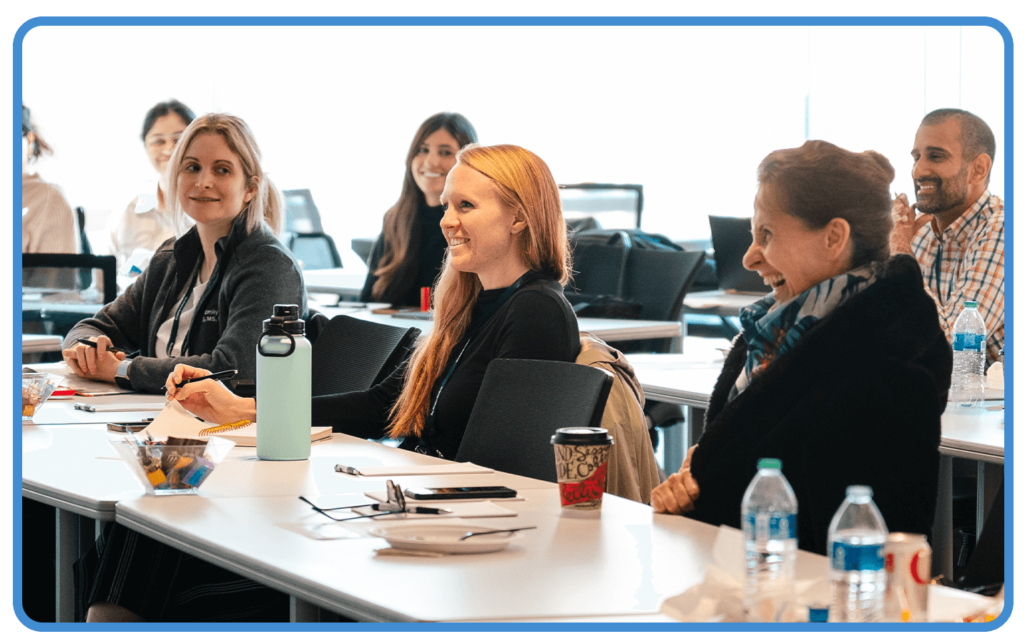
point(164, 332)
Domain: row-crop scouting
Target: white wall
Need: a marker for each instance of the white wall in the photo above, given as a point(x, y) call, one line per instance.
point(686, 111)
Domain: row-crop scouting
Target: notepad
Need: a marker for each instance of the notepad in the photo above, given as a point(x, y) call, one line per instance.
point(176, 421)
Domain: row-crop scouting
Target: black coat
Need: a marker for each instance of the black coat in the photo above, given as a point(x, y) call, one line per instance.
point(857, 401)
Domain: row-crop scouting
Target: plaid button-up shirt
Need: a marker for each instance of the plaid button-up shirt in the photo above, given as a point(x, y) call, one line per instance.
point(966, 262)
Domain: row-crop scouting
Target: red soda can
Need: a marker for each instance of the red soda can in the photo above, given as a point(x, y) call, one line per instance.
point(907, 562)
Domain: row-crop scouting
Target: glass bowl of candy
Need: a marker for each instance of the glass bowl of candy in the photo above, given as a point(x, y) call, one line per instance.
point(173, 466)
point(35, 389)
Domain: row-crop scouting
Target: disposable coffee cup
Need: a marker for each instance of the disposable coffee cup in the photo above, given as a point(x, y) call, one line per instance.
point(581, 457)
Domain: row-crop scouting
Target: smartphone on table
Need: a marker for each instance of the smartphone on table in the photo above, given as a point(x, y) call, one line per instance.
point(122, 428)
point(445, 493)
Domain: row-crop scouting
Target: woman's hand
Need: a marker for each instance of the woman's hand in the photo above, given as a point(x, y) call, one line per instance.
point(209, 399)
point(678, 493)
point(906, 225)
point(95, 364)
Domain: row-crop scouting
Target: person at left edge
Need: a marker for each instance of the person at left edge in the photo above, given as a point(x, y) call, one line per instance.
point(203, 297)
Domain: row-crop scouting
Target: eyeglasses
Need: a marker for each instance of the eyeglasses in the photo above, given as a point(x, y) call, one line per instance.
point(396, 505)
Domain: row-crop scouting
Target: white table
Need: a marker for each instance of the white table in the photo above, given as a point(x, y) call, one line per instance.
point(37, 343)
point(606, 329)
point(334, 280)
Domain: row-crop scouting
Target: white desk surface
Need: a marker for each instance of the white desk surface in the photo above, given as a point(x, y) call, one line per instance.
point(976, 433)
point(606, 329)
point(718, 302)
point(36, 343)
point(334, 280)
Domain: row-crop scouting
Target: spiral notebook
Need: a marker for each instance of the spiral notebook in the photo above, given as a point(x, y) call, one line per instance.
point(176, 421)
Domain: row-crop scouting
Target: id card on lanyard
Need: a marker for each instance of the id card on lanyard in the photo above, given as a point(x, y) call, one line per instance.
point(472, 332)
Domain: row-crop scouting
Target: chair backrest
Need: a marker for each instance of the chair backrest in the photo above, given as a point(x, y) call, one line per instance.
point(349, 354)
point(659, 280)
point(612, 204)
point(314, 250)
point(105, 263)
point(362, 247)
point(986, 565)
point(301, 213)
point(599, 269)
point(520, 405)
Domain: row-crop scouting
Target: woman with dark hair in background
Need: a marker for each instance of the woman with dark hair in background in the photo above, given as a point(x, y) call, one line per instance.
point(409, 254)
point(47, 222)
point(146, 222)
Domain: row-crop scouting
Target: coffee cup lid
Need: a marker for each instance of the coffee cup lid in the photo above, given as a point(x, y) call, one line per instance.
point(581, 436)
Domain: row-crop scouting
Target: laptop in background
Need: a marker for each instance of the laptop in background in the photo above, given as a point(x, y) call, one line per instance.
point(731, 237)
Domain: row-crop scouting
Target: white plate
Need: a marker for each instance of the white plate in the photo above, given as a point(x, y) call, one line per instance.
point(443, 538)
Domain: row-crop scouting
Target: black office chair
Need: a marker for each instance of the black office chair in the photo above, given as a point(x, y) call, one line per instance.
point(314, 250)
point(658, 280)
point(362, 247)
point(520, 405)
point(349, 354)
point(301, 213)
point(65, 272)
point(985, 571)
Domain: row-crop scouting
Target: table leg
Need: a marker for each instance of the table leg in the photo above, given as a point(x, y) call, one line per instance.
point(303, 611)
point(989, 478)
point(943, 556)
point(75, 535)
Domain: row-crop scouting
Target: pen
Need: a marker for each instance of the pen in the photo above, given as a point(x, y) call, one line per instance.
point(421, 510)
point(90, 343)
point(221, 375)
point(347, 469)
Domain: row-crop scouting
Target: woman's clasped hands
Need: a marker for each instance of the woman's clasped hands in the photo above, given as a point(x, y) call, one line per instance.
point(678, 493)
point(208, 399)
point(94, 363)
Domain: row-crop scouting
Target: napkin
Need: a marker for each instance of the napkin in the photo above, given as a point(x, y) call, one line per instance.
point(995, 376)
point(719, 597)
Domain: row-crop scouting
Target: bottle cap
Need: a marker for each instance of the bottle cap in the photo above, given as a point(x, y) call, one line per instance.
point(818, 613)
point(970, 305)
point(859, 490)
point(770, 464)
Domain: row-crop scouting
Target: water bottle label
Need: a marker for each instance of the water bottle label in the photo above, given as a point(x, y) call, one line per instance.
point(968, 342)
point(772, 526)
point(848, 556)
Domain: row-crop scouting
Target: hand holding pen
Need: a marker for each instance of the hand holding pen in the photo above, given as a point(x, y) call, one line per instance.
point(201, 393)
point(90, 359)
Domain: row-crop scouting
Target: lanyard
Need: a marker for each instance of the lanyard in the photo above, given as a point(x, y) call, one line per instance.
point(178, 312)
point(937, 262)
point(473, 330)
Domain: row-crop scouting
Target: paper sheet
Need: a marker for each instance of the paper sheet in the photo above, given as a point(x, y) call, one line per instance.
point(414, 470)
point(479, 510)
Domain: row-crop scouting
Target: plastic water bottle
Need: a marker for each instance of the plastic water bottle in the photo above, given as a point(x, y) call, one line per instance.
point(284, 387)
point(857, 576)
point(769, 519)
point(969, 345)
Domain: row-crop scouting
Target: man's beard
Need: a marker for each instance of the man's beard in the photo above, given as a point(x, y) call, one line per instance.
point(949, 193)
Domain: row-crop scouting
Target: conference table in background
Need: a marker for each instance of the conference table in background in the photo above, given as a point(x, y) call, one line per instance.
point(337, 281)
point(606, 329)
point(32, 343)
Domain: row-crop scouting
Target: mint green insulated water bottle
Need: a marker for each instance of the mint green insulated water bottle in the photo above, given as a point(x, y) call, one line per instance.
point(283, 387)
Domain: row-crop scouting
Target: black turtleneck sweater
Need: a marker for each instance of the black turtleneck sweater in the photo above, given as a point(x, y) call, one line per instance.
point(425, 257)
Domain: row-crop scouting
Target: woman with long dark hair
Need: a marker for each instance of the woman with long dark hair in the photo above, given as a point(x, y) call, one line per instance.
point(409, 253)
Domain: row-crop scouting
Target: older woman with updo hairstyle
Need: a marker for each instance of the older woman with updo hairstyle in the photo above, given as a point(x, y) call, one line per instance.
point(409, 253)
point(842, 372)
point(203, 296)
point(499, 296)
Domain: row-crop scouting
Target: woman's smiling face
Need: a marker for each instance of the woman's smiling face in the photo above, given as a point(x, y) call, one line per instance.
point(789, 256)
point(213, 187)
point(482, 232)
point(432, 162)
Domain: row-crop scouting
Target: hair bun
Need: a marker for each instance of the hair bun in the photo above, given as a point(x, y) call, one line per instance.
point(881, 161)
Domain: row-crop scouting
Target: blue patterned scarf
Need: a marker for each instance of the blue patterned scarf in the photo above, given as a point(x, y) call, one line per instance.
point(772, 329)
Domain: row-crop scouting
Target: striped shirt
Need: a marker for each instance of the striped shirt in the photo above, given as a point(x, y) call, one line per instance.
point(966, 262)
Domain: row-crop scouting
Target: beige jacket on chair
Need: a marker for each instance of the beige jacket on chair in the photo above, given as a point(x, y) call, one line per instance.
point(632, 469)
